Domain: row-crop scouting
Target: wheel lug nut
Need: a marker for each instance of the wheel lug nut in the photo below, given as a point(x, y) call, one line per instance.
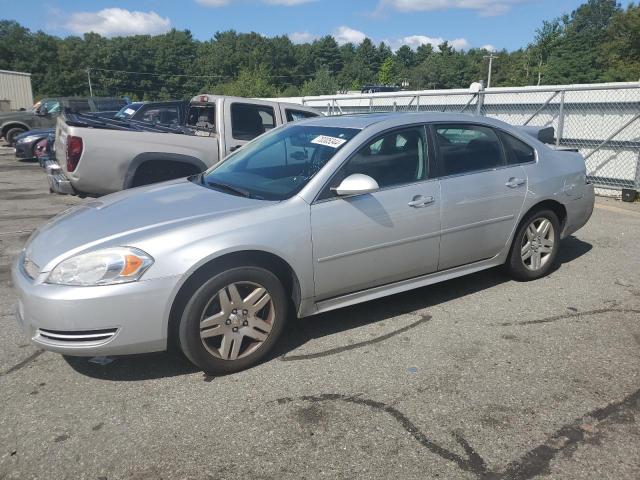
point(235, 329)
point(245, 323)
point(234, 311)
point(245, 312)
point(228, 322)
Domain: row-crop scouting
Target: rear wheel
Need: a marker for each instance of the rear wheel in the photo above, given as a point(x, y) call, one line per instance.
point(233, 320)
point(12, 133)
point(535, 246)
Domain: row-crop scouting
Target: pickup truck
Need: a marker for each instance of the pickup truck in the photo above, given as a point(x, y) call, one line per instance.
point(13, 124)
point(93, 159)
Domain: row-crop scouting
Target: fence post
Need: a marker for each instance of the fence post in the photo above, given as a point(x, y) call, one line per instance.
point(371, 104)
point(560, 120)
point(417, 103)
point(395, 106)
point(480, 102)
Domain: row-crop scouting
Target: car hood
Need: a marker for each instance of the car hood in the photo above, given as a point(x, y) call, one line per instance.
point(39, 132)
point(25, 115)
point(138, 211)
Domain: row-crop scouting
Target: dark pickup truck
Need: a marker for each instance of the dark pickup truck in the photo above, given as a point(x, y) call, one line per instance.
point(13, 124)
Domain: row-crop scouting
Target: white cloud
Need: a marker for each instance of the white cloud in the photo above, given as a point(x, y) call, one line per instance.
point(484, 7)
point(288, 3)
point(488, 47)
point(214, 3)
point(346, 34)
point(113, 22)
point(414, 41)
point(302, 37)
point(224, 3)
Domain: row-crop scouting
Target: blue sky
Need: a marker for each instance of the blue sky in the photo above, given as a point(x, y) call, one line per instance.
point(506, 24)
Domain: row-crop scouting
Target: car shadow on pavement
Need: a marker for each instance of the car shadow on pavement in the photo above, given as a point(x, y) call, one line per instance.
point(129, 368)
point(300, 332)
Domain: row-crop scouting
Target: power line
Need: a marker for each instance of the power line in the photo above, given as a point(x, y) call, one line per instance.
point(194, 76)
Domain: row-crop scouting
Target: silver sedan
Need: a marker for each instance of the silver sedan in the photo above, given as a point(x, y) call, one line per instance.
point(310, 217)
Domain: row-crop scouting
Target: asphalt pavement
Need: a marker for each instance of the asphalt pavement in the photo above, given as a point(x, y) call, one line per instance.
point(480, 377)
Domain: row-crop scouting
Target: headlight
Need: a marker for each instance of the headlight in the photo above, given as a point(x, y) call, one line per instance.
point(102, 267)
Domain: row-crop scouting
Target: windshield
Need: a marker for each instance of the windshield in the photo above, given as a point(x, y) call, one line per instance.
point(278, 164)
point(127, 111)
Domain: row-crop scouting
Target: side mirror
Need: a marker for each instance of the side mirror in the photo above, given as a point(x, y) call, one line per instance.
point(356, 184)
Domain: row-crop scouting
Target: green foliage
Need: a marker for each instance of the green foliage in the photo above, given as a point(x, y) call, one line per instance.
point(322, 84)
point(599, 41)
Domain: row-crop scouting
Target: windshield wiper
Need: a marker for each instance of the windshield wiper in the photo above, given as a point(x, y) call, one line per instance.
point(228, 188)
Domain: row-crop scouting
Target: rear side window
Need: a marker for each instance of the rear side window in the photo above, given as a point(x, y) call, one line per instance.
point(468, 148)
point(293, 115)
point(161, 115)
point(517, 151)
point(202, 117)
point(250, 121)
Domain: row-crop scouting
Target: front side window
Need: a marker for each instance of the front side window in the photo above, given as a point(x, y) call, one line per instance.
point(50, 106)
point(467, 148)
point(250, 121)
point(394, 158)
point(279, 164)
point(518, 151)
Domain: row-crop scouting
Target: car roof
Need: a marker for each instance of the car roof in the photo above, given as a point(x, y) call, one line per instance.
point(364, 120)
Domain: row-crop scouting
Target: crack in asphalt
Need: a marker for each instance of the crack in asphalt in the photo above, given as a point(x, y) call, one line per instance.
point(535, 462)
point(333, 351)
point(564, 316)
point(23, 363)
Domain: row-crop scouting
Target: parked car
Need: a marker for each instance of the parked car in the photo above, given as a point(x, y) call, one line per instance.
point(25, 143)
point(13, 124)
point(97, 157)
point(316, 215)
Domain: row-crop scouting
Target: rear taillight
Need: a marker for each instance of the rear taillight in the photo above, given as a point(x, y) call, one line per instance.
point(74, 151)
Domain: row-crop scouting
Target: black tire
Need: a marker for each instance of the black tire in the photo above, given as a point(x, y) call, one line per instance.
point(523, 270)
point(196, 309)
point(12, 133)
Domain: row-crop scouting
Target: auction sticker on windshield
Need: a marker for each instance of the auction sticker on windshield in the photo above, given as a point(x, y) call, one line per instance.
point(327, 141)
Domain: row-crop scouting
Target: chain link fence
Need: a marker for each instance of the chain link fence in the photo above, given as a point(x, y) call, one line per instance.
point(602, 121)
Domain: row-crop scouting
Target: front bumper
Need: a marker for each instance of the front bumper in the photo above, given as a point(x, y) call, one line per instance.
point(24, 150)
point(87, 321)
point(58, 182)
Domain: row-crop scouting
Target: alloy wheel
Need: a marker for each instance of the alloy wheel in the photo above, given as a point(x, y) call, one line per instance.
point(237, 320)
point(537, 243)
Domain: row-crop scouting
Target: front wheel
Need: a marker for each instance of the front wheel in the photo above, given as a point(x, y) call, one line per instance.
point(233, 320)
point(535, 246)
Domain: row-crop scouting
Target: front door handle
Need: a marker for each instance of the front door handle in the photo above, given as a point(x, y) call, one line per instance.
point(514, 182)
point(420, 201)
point(234, 148)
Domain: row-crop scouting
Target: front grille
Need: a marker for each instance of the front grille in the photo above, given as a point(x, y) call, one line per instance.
point(75, 336)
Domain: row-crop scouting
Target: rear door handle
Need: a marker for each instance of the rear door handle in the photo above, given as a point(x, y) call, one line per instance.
point(420, 201)
point(514, 182)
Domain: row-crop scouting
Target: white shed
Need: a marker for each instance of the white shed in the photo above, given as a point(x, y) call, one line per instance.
point(15, 89)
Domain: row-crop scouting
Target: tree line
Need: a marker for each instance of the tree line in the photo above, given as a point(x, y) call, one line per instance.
point(599, 41)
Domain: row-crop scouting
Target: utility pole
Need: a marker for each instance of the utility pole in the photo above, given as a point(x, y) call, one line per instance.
point(490, 57)
point(89, 77)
